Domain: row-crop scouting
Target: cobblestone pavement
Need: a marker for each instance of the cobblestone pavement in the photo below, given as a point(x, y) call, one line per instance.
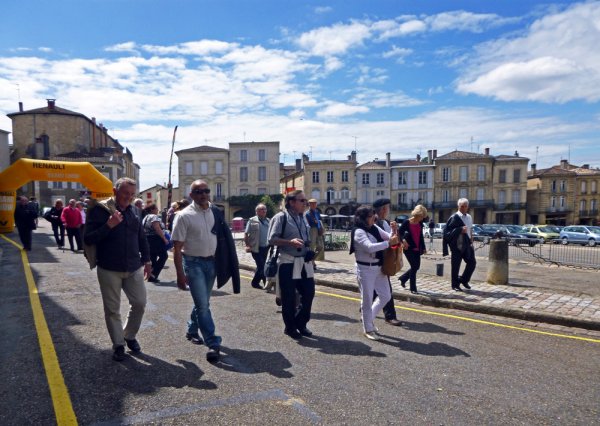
point(521, 302)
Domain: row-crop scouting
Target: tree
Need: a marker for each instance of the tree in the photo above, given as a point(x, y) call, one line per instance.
point(245, 204)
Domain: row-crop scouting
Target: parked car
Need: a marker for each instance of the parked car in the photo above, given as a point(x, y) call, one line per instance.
point(580, 234)
point(478, 234)
point(513, 233)
point(547, 233)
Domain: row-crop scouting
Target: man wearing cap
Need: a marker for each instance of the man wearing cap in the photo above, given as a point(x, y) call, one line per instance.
point(382, 209)
point(313, 217)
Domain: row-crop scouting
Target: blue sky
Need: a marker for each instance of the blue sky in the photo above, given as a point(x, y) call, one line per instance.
point(389, 76)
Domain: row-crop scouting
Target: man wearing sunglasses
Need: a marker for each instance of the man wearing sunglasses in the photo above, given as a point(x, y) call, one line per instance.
point(203, 249)
point(295, 262)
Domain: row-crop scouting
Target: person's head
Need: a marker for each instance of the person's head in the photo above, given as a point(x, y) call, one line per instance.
point(58, 204)
point(419, 213)
point(382, 207)
point(79, 205)
point(124, 191)
point(72, 203)
point(23, 200)
point(364, 217)
point(183, 203)
point(200, 193)
point(150, 209)
point(463, 205)
point(139, 203)
point(295, 201)
point(312, 203)
point(174, 205)
point(261, 210)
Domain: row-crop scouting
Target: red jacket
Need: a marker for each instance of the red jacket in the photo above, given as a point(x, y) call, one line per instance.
point(71, 217)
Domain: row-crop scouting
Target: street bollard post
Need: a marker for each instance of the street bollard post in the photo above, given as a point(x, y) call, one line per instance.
point(439, 269)
point(498, 262)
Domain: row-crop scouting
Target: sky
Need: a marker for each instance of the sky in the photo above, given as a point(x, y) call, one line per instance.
point(320, 77)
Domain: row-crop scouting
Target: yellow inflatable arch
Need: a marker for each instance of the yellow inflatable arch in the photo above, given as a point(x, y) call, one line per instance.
point(25, 170)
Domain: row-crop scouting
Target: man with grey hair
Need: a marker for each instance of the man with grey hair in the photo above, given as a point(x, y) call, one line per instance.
point(138, 204)
point(458, 234)
point(255, 238)
point(123, 260)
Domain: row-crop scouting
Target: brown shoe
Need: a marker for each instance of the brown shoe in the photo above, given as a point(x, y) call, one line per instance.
point(394, 321)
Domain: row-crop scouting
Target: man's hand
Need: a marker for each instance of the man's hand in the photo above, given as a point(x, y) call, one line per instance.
point(464, 229)
point(182, 283)
point(115, 219)
point(394, 241)
point(297, 242)
point(147, 270)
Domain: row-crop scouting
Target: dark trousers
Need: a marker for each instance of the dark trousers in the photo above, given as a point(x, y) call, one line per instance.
point(292, 318)
point(469, 258)
point(389, 311)
point(59, 233)
point(414, 260)
point(25, 235)
point(260, 258)
point(74, 232)
point(158, 254)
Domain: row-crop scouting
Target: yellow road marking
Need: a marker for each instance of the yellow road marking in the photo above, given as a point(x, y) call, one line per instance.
point(458, 317)
point(63, 409)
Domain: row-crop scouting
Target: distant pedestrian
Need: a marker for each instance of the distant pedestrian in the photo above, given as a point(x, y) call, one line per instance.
point(411, 233)
point(80, 207)
point(123, 260)
point(368, 241)
point(458, 234)
point(255, 238)
point(58, 228)
point(317, 230)
point(171, 215)
point(25, 221)
point(71, 218)
point(203, 250)
point(157, 240)
point(35, 207)
point(138, 205)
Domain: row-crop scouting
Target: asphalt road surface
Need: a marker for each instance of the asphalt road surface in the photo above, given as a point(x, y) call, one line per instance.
point(441, 367)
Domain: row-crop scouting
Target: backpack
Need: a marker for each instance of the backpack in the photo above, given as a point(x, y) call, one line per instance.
point(89, 250)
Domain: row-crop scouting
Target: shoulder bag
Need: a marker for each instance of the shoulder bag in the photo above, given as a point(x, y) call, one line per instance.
point(271, 266)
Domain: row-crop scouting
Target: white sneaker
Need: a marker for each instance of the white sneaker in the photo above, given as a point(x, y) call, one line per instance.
point(371, 335)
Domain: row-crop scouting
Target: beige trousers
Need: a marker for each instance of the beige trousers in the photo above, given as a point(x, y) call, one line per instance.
point(111, 284)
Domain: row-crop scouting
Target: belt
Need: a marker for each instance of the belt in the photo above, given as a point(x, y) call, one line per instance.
point(202, 257)
point(368, 264)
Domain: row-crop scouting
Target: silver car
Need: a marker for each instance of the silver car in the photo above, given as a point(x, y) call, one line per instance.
point(580, 234)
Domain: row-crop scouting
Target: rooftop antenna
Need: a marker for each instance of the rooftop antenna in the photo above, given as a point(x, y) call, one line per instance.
point(537, 150)
point(355, 137)
point(569, 158)
point(471, 143)
point(310, 152)
point(19, 92)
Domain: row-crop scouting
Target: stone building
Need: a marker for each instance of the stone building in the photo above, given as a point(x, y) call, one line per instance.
point(373, 180)
point(495, 186)
point(411, 184)
point(4, 150)
point(58, 134)
point(564, 194)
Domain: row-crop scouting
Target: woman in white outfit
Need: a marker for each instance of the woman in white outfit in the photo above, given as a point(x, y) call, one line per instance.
point(368, 243)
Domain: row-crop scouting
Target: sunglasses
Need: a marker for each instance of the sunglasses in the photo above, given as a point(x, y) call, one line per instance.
point(201, 191)
point(302, 200)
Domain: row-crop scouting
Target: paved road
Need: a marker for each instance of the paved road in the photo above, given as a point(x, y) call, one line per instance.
point(437, 369)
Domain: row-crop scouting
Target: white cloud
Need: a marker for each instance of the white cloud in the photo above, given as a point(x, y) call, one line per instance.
point(466, 21)
point(380, 99)
point(334, 40)
point(557, 60)
point(397, 52)
point(320, 10)
point(338, 109)
point(128, 46)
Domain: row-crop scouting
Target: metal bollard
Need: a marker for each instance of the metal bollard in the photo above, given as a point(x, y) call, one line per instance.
point(498, 258)
point(439, 269)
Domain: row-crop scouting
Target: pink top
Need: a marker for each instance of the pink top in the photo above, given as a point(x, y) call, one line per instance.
point(415, 233)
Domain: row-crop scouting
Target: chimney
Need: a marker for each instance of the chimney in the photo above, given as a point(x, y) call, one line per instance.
point(429, 154)
point(388, 160)
point(298, 164)
point(51, 103)
point(434, 154)
point(353, 156)
point(533, 168)
point(20, 106)
point(585, 166)
point(419, 157)
point(564, 164)
point(516, 153)
point(487, 151)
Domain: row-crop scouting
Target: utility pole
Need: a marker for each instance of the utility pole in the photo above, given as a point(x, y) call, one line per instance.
point(170, 185)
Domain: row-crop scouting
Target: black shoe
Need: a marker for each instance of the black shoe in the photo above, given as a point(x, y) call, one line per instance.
point(194, 338)
point(256, 286)
point(278, 301)
point(456, 288)
point(119, 354)
point(402, 283)
point(134, 345)
point(213, 354)
point(293, 334)
point(467, 286)
point(394, 321)
point(414, 292)
point(305, 332)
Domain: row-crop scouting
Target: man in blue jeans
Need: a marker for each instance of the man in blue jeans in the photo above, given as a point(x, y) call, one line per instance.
point(203, 249)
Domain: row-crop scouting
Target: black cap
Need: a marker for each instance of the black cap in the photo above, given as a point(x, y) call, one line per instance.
point(381, 202)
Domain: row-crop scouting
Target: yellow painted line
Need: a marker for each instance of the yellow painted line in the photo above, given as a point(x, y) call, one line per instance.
point(458, 317)
point(63, 409)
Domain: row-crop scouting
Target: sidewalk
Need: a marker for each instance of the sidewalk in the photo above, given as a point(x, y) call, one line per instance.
point(518, 302)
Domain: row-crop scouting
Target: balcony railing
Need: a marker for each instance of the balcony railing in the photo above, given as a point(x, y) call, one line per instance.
point(510, 206)
point(588, 213)
point(558, 210)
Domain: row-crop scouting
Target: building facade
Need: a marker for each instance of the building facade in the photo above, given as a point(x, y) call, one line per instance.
point(57, 134)
point(254, 168)
point(411, 184)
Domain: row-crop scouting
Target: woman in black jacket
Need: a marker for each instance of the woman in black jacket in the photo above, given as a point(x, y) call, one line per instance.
point(58, 228)
point(411, 232)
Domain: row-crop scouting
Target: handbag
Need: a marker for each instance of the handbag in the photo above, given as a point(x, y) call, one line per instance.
point(271, 266)
point(169, 244)
point(392, 260)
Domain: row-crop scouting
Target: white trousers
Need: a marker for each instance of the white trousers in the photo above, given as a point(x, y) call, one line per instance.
point(370, 278)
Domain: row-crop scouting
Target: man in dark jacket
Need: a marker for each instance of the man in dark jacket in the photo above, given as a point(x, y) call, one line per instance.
point(203, 249)
point(123, 260)
point(458, 235)
point(25, 220)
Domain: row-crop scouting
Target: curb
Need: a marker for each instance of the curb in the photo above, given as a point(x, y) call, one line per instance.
point(440, 302)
